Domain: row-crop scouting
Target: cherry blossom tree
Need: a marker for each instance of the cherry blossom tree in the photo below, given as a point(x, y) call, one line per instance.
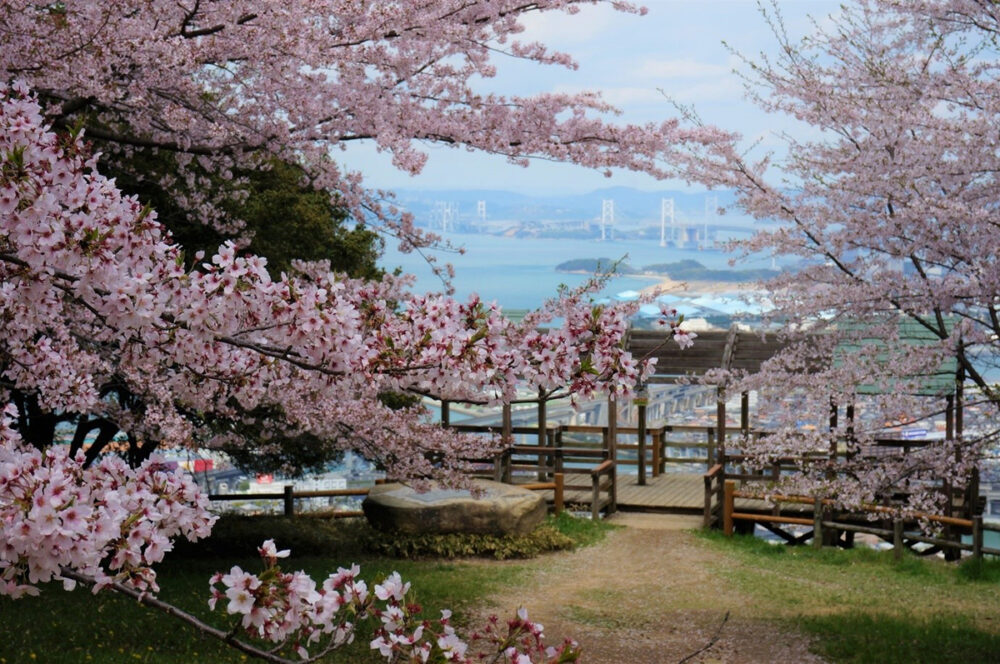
point(107, 525)
point(94, 294)
point(230, 85)
point(97, 299)
point(225, 88)
point(887, 192)
point(104, 318)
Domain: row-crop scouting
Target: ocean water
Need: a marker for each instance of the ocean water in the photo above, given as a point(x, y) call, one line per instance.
point(519, 273)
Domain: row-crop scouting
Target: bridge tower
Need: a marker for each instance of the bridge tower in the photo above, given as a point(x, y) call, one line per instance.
point(607, 218)
point(481, 211)
point(711, 212)
point(445, 214)
point(667, 210)
point(438, 216)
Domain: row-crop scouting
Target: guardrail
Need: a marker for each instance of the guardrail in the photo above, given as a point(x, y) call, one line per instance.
point(288, 496)
point(556, 459)
point(820, 524)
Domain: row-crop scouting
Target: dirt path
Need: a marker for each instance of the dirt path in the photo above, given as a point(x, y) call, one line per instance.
point(646, 595)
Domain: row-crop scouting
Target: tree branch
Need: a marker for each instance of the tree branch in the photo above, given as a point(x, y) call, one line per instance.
point(152, 602)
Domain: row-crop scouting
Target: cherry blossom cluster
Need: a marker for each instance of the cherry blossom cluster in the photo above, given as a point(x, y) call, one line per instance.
point(294, 611)
point(887, 200)
point(96, 295)
point(521, 641)
point(108, 525)
point(107, 521)
point(669, 317)
point(227, 86)
point(289, 608)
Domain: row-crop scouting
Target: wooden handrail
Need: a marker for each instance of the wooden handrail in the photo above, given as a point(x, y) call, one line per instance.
point(770, 518)
point(878, 509)
point(605, 466)
point(557, 486)
point(563, 451)
point(289, 495)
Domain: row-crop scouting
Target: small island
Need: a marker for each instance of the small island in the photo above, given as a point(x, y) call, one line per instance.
point(684, 270)
point(595, 265)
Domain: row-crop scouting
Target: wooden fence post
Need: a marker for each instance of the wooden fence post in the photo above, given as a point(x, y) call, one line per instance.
point(289, 500)
point(728, 502)
point(642, 444)
point(709, 492)
point(508, 440)
point(661, 446)
point(656, 436)
point(818, 523)
point(897, 538)
point(720, 424)
point(745, 414)
point(613, 495)
point(612, 443)
point(542, 433)
point(557, 498)
point(559, 450)
point(498, 466)
point(595, 497)
point(977, 536)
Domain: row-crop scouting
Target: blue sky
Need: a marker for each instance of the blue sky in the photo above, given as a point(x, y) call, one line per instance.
point(677, 48)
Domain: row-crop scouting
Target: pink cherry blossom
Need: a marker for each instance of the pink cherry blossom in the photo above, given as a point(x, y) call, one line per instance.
point(889, 205)
point(109, 304)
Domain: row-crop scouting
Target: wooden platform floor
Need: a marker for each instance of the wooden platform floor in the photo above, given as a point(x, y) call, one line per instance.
point(672, 493)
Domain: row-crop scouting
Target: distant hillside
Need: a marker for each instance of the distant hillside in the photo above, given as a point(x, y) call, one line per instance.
point(686, 270)
point(690, 270)
point(593, 265)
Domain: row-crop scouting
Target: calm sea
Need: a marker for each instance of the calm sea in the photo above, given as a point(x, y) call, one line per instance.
point(519, 273)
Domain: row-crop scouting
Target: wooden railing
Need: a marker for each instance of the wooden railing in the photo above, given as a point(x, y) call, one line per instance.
point(572, 448)
point(558, 488)
point(714, 496)
point(656, 450)
point(575, 464)
point(288, 496)
point(959, 502)
point(602, 479)
point(821, 509)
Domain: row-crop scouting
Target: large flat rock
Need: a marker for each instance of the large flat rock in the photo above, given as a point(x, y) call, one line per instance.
point(501, 509)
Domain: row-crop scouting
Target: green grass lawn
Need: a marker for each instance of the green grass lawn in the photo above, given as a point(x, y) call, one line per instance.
point(61, 627)
point(860, 605)
point(864, 606)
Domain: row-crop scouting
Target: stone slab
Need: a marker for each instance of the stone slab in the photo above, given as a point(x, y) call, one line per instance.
point(500, 509)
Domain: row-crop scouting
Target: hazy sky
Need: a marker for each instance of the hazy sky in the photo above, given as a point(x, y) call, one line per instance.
point(677, 48)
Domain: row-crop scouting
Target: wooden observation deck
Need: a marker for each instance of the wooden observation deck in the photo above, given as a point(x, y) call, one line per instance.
point(670, 467)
